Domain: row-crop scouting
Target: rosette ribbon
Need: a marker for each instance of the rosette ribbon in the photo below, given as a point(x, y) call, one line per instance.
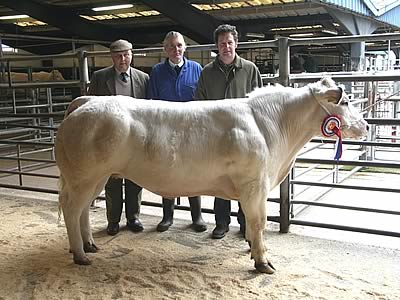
point(330, 127)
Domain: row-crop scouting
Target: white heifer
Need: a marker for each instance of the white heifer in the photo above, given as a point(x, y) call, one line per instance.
point(235, 149)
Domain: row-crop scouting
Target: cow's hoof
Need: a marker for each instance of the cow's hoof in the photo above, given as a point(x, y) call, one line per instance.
point(265, 268)
point(90, 248)
point(82, 261)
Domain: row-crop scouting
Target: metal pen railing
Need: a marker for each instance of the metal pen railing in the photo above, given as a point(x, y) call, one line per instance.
point(284, 77)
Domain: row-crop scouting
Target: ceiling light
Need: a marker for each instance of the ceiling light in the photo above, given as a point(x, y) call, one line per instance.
point(255, 35)
point(112, 7)
point(301, 34)
point(14, 17)
point(333, 32)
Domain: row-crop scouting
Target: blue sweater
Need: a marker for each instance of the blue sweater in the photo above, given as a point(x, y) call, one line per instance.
point(165, 84)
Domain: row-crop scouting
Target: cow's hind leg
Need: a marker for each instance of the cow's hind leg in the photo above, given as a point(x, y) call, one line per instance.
point(73, 202)
point(88, 242)
point(86, 232)
point(253, 203)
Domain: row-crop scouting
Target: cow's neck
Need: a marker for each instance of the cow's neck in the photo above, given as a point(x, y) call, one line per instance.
point(297, 122)
point(304, 115)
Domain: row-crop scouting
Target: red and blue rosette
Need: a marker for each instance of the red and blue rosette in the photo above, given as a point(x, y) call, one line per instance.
point(330, 127)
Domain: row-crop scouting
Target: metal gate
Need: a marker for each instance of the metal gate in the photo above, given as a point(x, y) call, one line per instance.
point(29, 126)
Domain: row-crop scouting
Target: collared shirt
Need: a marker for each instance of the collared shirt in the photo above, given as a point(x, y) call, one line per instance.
point(180, 64)
point(121, 87)
point(118, 73)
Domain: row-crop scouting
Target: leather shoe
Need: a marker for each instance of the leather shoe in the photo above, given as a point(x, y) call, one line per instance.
point(199, 226)
point(112, 228)
point(219, 231)
point(135, 225)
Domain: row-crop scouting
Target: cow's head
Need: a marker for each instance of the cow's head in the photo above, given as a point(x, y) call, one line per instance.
point(334, 101)
point(56, 75)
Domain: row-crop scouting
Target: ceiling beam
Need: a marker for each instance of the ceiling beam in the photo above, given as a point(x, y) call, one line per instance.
point(65, 19)
point(266, 24)
point(30, 45)
point(200, 26)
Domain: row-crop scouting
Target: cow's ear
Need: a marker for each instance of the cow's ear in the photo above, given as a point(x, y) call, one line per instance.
point(328, 82)
point(334, 95)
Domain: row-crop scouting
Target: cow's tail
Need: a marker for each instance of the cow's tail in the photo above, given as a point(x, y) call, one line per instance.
point(62, 194)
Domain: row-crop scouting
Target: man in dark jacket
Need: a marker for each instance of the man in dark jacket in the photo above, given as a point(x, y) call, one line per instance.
point(228, 76)
point(121, 79)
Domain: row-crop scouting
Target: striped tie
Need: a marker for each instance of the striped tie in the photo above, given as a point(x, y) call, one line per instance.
point(124, 77)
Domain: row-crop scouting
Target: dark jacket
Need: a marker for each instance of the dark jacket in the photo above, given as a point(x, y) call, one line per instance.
point(102, 82)
point(215, 84)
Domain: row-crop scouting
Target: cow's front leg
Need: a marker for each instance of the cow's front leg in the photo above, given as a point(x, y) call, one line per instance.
point(254, 208)
point(258, 250)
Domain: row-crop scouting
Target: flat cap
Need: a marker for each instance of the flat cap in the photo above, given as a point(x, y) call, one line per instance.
point(120, 45)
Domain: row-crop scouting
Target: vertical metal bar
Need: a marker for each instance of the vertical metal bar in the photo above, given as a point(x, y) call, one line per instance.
point(74, 67)
point(388, 57)
point(336, 173)
point(2, 67)
point(284, 70)
point(93, 58)
point(84, 72)
point(373, 114)
point(14, 101)
point(9, 73)
point(34, 109)
point(292, 191)
point(49, 99)
point(19, 164)
point(51, 119)
point(284, 61)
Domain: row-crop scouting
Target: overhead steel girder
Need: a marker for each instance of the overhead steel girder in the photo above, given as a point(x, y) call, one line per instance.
point(200, 25)
point(354, 24)
point(266, 24)
point(64, 19)
point(28, 44)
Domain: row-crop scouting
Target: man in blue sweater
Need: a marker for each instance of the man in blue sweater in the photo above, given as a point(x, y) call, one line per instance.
point(176, 80)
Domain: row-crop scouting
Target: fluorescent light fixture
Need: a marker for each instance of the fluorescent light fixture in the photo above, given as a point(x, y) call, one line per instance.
point(13, 17)
point(255, 35)
point(112, 7)
point(301, 34)
point(333, 32)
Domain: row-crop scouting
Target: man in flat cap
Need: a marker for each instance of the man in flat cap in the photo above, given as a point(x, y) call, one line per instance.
point(121, 79)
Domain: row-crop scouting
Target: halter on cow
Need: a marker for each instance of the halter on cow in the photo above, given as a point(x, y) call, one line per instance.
point(234, 149)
